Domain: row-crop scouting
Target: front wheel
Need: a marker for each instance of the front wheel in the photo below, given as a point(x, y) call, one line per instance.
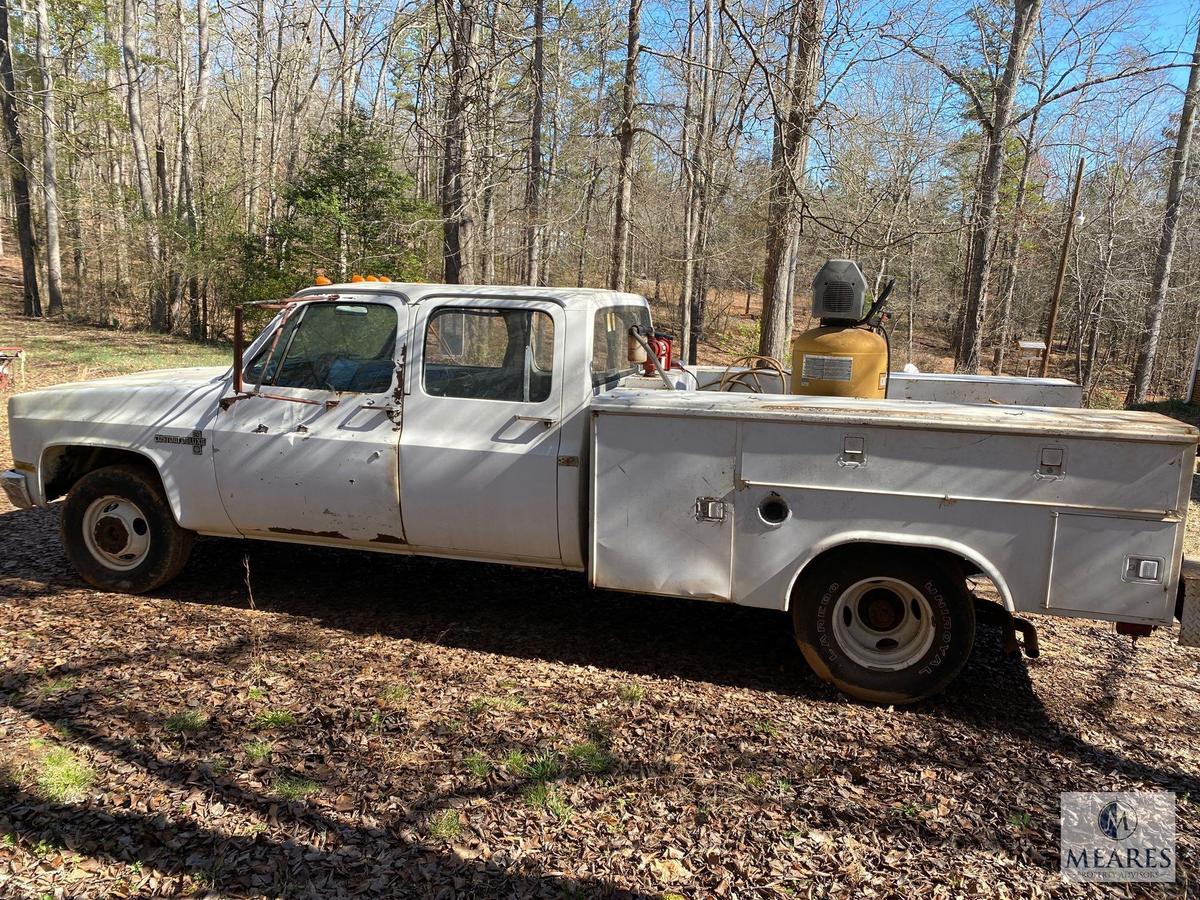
point(884, 626)
point(119, 532)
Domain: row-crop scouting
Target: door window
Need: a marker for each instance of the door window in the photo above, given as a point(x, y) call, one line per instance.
point(343, 347)
point(489, 354)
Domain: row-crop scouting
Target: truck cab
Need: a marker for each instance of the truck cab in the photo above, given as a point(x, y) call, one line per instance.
point(445, 420)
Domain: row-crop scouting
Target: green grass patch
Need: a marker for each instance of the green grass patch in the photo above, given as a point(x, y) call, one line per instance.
point(542, 795)
point(186, 721)
point(274, 718)
point(395, 695)
point(508, 702)
point(61, 777)
point(258, 751)
point(57, 685)
point(445, 827)
point(631, 693)
point(255, 693)
point(545, 766)
point(516, 763)
point(294, 787)
point(591, 757)
point(478, 764)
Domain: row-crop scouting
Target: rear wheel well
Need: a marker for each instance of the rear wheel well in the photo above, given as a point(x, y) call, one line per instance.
point(951, 562)
point(63, 466)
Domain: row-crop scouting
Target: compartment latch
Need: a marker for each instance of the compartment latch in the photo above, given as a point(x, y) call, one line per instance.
point(709, 509)
point(1050, 463)
point(854, 451)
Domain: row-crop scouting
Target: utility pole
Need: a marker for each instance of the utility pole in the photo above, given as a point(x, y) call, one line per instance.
point(1062, 270)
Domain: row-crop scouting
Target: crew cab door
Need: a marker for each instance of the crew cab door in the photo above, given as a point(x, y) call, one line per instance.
point(311, 454)
point(479, 447)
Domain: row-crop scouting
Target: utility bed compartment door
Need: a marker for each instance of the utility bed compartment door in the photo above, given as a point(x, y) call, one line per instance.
point(662, 505)
point(1124, 568)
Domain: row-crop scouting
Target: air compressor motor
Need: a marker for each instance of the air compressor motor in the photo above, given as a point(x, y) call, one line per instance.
point(848, 355)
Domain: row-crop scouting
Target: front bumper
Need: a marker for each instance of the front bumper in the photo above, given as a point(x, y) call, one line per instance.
point(16, 486)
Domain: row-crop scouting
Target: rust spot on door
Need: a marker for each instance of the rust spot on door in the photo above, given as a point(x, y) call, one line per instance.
point(388, 539)
point(303, 533)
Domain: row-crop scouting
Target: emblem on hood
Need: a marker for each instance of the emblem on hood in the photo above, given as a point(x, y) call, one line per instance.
point(196, 439)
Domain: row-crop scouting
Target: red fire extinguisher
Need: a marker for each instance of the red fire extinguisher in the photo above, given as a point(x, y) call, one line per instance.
point(660, 346)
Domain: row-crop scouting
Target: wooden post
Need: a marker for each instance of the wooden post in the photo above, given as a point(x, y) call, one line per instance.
point(1062, 271)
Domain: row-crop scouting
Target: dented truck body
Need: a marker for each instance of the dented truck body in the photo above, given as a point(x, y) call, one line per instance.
point(507, 425)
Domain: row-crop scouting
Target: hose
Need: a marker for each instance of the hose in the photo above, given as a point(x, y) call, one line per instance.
point(879, 301)
point(887, 372)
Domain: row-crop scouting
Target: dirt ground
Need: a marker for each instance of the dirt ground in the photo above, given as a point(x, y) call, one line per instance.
point(316, 723)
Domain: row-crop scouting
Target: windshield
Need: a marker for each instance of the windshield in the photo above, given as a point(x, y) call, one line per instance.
point(339, 346)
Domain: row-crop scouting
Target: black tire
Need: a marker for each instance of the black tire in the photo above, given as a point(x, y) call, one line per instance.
point(836, 654)
point(169, 545)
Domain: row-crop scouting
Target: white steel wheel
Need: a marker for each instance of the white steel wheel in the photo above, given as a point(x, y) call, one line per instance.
point(116, 533)
point(884, 624)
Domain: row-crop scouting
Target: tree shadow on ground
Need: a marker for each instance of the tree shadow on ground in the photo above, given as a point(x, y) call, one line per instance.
point(529, 614)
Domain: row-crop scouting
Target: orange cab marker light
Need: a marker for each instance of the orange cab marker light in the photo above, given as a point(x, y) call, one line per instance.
point(372, 278)
point(321, 280)
point(385, 279)
point(356, 279)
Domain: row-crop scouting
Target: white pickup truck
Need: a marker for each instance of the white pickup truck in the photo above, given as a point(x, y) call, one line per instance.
point(510, 425)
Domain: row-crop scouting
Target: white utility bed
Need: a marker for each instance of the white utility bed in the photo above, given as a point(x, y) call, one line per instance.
point(1054, 504)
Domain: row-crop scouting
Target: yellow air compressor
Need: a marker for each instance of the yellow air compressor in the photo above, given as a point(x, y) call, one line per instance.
point(848, 355)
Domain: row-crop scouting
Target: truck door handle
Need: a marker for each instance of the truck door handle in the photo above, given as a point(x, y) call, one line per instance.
point(549, 423)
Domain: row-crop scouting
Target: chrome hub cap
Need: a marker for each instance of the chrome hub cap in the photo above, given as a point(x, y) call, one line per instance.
point(116, 533)
point(883, 623)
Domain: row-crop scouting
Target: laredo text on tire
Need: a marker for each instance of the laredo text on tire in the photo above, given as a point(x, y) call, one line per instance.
point(119, 531)
point(885, 626)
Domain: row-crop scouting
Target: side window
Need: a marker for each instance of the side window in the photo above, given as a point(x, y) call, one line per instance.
point(489, 354)
point(343, 347)
point(610, 341)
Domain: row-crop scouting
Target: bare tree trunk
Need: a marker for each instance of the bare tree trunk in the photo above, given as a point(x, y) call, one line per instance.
point(1012, 265)
point(688, 167)
point(256, 116)
point(533, 187)
point(618, 269)
point(487, 162)
point(20, 178)
point(141, 160)
point(1024, 24)
point(703, 169)
point(458, 169)
point(1144, 368)
point(49, 162)
point(792, 126)
point(116, 174)
point(197, 312)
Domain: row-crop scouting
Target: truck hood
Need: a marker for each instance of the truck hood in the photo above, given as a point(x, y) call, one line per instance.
point(143, 397)
point(180, 378)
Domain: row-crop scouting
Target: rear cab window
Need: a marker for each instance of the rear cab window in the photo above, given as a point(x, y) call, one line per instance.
point(610, 342)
